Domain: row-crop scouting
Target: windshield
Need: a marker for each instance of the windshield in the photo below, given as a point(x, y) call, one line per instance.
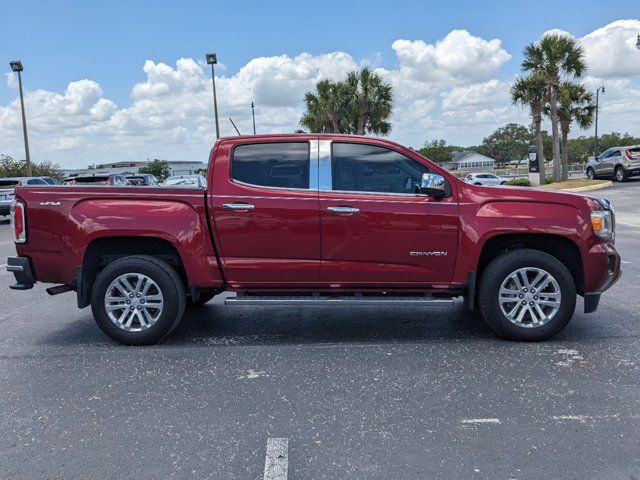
point(93, 180)
point(181, 181)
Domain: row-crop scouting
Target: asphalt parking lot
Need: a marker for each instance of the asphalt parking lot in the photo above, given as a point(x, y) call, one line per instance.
point(359, 393)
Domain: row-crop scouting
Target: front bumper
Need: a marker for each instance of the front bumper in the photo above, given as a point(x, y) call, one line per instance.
point(21, 269)
point(604, 267)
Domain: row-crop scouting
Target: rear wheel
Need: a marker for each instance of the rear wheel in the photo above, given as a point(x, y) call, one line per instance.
point(621, 174)
point(527, 295)
point(138, 300)
point(590, 173)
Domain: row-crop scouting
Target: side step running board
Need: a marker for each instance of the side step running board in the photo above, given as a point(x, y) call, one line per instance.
point(363, 300)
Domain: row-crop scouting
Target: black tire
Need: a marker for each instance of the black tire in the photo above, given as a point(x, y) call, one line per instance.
point(503, 183)
point(202, 299)
point(499, 269)
point(591, 174)
point(621, 174)
point(477, 183)
point(167, 281)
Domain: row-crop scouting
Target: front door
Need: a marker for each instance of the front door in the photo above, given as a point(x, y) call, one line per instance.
point(264, 201)
point(376, 230)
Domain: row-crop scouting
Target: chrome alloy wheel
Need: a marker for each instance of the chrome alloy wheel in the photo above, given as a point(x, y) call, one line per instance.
point(529, 297)
point(133, 302)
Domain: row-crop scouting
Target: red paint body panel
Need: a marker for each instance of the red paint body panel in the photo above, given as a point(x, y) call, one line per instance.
point(58, 235)
point(290, 241)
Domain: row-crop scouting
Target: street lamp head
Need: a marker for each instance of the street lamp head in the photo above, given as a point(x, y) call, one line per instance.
point(212, 59)
point(252, 105)
point(16, 66)
point(638, 42)
point(603, 89)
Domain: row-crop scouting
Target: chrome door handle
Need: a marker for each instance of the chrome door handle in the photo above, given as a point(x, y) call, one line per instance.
point(344, 210)
point(238, 207)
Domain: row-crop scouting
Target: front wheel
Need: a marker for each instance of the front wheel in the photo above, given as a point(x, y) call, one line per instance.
point(138, 300)
point(527, 295)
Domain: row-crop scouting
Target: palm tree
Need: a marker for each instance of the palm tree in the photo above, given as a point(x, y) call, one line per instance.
point(361, 104)
point(575, 103)
point(370, 102)
point(530, 92)
point(326, 109)
point(553, 57)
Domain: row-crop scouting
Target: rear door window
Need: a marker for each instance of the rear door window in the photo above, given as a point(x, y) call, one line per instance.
point(277, 165)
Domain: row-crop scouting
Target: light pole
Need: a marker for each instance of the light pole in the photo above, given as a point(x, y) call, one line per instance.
point(253, 114)
point(595, 142)
point(212, 60)
point(16, 66)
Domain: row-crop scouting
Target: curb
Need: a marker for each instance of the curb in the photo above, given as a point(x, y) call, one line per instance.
point(604, 184)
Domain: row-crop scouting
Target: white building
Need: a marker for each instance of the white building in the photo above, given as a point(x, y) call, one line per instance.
point(470, 160)
point(127, 168)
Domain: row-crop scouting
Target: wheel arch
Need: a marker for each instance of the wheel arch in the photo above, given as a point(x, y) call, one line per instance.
point(562, 248)
point(102, 251)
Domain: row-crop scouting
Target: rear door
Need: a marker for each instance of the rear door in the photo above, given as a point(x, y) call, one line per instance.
point(264, 200)
point(376, 230)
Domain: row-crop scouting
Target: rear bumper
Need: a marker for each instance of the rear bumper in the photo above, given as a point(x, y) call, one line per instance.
point(21, 269)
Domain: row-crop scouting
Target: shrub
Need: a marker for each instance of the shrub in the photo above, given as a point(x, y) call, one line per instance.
point(519, 182)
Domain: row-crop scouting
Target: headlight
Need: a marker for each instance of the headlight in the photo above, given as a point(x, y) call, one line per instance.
point(602, 223)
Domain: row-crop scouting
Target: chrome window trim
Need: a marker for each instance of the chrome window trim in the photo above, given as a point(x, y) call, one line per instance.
point(325, 179)
point(312, 165)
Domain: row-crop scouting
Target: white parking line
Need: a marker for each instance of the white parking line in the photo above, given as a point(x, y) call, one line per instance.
point(472, 421)
point(276, 463)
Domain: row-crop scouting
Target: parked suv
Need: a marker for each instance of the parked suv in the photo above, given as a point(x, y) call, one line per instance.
point(618, 163)
point(483, 178)
point(7, 189)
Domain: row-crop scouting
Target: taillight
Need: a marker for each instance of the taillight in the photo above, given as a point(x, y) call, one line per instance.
point(628, 154)
point(17, 222)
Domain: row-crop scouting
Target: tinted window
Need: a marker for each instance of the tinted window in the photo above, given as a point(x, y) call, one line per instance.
point(367, 168)
point(615, 154)
point(284, 165)
point(36, 181)
point(9, 183)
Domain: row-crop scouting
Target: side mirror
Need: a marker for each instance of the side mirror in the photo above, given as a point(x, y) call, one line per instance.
point(433, 185)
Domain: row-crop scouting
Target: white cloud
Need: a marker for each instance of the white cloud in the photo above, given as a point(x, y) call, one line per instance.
point(611, 51)
point(459, 57)
point(453, 88)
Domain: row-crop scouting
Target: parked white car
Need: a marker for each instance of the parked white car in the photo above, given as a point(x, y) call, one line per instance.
point(482, 178)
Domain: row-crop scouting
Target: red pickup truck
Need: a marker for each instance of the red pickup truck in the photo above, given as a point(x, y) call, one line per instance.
point(316, 220)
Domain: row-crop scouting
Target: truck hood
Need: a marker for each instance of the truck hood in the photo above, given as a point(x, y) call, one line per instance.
point(528, 195)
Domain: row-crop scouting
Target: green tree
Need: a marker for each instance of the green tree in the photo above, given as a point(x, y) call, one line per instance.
point(361, 104)
point(553, 57)
point(370, 100)
point(159, 168)
point(9, 167)
point(510, 142)
point(326, 109)
point(530, 92)
point(438, 151)
point(575, 103)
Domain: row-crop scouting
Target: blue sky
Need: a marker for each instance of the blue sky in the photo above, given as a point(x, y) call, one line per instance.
point(109, 42)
